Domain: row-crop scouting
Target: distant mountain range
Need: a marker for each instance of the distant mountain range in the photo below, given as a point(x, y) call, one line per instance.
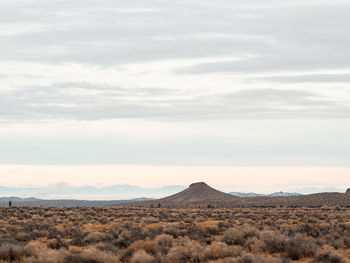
point(255, 194)
point(64, 191)
point(17, 201)
point(113, 192)
point(196, 195)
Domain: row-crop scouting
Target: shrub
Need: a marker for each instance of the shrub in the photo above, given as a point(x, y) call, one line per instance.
point(91, 255)
point(273, 242)
point(57, 244)
point(335, 241)
point(211, 230)
point(324, 228)
point(124, 239)
point(152, 232)
point(140, 256)
point(233, 236)
point(171, 230)
point(164, 243)
point(186, 251)
point(41, 254)
point(327, 254)
point(247, 258)
point(146, 245)
point(53, 233)
point(94, 237)
point(346, 242)
point(300, 246)
point(217, 250)
point(11, 252)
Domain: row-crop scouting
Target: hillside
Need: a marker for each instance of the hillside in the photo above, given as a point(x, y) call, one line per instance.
point(202, 195)
point(312, 200)
point(197, 194)
point(251, 194)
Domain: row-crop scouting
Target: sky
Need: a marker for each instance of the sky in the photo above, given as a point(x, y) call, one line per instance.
point(222, 88)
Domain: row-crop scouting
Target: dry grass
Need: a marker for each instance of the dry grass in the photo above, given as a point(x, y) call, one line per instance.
point(155, 235)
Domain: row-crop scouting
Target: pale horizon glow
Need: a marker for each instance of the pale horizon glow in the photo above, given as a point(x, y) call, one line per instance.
point(243, 179)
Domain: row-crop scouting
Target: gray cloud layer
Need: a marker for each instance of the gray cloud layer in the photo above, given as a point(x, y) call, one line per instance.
point(280, 36)
point(76, 101)
point(308, 78)
point(252, 36)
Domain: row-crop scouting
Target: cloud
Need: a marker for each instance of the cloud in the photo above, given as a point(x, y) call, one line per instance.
point(149, 81)
point(235, 37)
point(307, 78)
point(87, 101)
point(117, 32)
point(302, 60)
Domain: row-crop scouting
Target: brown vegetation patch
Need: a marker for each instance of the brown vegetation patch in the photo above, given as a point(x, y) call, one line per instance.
point(155, 235)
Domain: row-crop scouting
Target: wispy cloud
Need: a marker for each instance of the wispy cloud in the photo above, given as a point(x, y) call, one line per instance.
point(110, 32)
point(307, 78)
point(85, 101)
point(126, 65)
point(267, 37)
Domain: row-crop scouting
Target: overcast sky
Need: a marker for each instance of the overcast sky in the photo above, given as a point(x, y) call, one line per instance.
point(175, 83)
